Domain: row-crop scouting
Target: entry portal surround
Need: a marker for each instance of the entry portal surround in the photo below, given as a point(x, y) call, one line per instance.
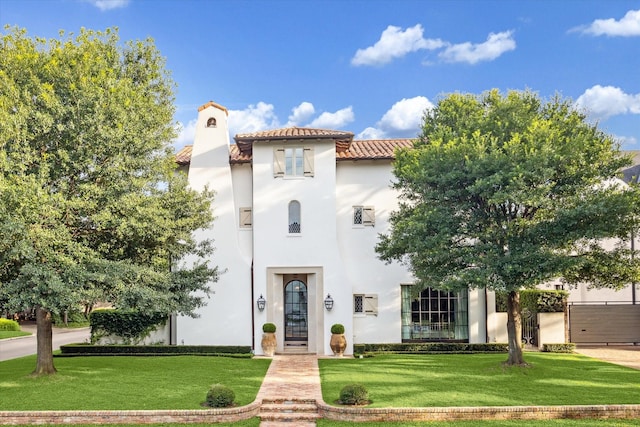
point(314, 279)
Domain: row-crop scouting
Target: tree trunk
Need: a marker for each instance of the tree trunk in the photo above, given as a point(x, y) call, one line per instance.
point(514, 329)
point(44, 337)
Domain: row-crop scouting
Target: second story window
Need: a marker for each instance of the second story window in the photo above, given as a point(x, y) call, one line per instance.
point(293, 161)
point(294, 217)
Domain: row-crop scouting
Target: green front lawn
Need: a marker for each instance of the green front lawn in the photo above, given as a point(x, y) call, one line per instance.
point(481, 380)
point(101, 383)
point(13, 334)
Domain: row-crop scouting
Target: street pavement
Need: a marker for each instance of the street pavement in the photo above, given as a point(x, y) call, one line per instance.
point(24, 346)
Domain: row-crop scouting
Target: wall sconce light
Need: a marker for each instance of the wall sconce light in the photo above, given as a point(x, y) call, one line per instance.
point(261, 302)
point(328, 302)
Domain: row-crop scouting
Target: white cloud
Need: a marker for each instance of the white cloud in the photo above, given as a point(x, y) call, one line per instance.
point(402, 120)
point(186, 133)
point(371, 133)
point(108, 4)
point(254, 118)
point(496, 45)
point(301, 114)
point(405, 116)
point(602, 102)
point(626, 141)
point(395, 43)
point(628, 26)
point(335, 120)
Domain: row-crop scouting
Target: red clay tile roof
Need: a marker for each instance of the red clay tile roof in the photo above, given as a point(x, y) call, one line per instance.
point(378, 149)
point(294, 133)
point(373, 149)
point(183, 157)
point(213, 104)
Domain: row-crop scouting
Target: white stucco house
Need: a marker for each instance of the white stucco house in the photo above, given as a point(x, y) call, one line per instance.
point(297, 216)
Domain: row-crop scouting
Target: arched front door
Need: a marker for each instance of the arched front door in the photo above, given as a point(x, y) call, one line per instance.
point(295, 314)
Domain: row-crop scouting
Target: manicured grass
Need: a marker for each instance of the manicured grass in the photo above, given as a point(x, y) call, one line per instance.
point(515, 423)
point(481, 380)
point(13, 334)
point(101, 383)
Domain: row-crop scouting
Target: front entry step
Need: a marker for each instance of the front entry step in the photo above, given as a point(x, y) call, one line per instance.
point(292, 412)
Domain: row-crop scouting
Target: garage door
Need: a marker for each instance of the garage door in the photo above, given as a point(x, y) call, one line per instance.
point(604, 324)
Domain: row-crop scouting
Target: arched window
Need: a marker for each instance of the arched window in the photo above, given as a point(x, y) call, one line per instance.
point(294, 216)
point(211, 123)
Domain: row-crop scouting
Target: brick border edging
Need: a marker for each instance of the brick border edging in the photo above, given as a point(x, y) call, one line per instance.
point(325, 411)
point(341, 413)
point(132, 417)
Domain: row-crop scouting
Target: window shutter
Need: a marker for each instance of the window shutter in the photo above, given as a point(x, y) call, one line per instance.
point(245, 218)
point(278, 162)
point(369, 215)
point(308, 161)
point(371, 304)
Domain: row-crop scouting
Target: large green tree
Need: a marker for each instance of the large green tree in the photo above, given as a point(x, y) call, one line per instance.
point(91, 205)
point(508, 192)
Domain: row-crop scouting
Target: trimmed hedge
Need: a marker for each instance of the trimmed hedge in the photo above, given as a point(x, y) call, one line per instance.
point(536, 301)
point(435, 347)
point(9, 325)
point(155, 350)
point(559, 348)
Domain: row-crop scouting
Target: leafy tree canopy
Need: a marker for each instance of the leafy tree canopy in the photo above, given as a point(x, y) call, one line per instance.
point(508, 192)
point(91, 205)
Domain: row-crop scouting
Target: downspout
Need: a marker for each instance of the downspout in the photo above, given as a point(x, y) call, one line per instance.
point(486, 316)
point(253, 314)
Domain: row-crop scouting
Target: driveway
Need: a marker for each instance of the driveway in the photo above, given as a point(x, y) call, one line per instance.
point(625, 355)
point(24, 346)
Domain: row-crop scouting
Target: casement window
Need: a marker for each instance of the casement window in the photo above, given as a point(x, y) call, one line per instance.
point(364, 215)
point(246, 218)
point(294, 217)
point(365, 304)
point(293, 161)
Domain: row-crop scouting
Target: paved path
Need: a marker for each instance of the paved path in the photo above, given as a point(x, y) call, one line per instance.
point(625, 355)
point(24, 346)
point(292, 380)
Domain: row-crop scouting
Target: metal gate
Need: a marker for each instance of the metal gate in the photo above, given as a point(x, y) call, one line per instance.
point(529, 328)
point(604, 323)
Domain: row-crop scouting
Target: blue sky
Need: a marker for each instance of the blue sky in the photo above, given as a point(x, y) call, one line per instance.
point(370, 67)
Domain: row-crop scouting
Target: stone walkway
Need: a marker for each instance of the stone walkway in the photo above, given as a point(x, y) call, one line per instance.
point(625, 355)
point(290, 391)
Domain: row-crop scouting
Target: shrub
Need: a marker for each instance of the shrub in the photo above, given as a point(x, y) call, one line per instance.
point(536, 301)
point(269, 328)
point(130, 325)
point(568, 347)
point(430, 347)
point(9, 325)
point(220, 396)
point(354, 394)
point(337, 329)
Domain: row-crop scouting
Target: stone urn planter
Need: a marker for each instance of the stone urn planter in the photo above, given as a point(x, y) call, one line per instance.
point(269, 339)
point(338, 342)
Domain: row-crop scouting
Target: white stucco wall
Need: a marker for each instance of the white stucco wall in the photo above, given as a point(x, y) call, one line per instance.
point(367, 183)
point(226, 320)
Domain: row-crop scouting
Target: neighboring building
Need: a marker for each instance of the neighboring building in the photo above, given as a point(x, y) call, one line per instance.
point(297, 216)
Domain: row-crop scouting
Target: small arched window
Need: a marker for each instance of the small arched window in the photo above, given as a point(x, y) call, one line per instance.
point(211, 123)
point(294, 217)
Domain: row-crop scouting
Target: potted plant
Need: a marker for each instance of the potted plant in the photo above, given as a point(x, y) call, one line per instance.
point(269, 339)
point(338, 341)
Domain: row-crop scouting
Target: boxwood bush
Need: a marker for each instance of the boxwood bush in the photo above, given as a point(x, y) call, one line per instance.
point(220, 396)
point(354, 394)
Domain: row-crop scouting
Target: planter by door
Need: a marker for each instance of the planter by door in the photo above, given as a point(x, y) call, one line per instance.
point(269, 343)
point(338, 344)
